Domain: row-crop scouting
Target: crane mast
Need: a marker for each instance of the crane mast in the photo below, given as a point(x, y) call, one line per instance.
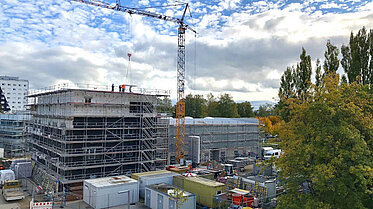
point(180, 105)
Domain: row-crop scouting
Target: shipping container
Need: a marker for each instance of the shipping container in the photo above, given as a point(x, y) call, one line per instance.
point(207, 191)
point(178, 181)
point(160, 196)
point(110, 191)
point(137, 175)
point(166, 178)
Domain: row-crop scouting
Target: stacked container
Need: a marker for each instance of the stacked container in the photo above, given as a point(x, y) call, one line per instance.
point(153, 177)
point(207, 191)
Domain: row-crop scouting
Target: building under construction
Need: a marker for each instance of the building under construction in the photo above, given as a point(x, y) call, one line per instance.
point(221, 139)
point(12, 134)
point(87, 133)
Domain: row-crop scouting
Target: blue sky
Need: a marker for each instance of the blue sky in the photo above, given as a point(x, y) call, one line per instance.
point(242, 47)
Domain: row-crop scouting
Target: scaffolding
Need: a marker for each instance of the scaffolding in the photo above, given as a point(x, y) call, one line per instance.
point(222, 139)
point(12, 134)
point(79, 134)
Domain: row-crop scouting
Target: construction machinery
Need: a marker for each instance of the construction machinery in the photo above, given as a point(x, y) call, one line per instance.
point(182, 27)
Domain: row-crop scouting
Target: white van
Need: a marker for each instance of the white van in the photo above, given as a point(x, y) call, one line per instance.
point(6, 175)
point(272, 153)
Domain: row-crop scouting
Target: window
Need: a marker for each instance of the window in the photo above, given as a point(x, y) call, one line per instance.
point(19, 84)
point(88, 100)
point(14, 84)
point(3, 84)
point(218, 192)
point(8, 84)
point(24, 85)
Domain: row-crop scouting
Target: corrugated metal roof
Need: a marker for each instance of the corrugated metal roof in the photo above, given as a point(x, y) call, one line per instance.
point(216, 121)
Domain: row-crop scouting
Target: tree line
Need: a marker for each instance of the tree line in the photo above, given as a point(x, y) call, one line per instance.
point(326, 130)
point(197, 106)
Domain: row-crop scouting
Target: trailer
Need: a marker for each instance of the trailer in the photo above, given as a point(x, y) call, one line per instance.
point(12, 191)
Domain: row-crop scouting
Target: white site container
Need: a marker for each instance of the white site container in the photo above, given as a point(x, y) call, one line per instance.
point(110, 191)
point(166, 178)
point(158, 197)
point(6, 175)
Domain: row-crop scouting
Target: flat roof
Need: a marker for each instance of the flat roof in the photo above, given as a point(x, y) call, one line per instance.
point(149, 173)
point(204, 181)
point(167, 189)
point(110, 181)
point(216, 121)
point(259, 179)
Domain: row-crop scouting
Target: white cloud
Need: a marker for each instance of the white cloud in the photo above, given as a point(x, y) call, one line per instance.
point(238, 51)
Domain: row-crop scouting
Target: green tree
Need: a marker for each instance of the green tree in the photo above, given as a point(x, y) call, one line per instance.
point(328, 147)
point(212, 106)
point(178, 196)
point(227, 107)
point(195, 106)
point(331, 63)
point(165, 106)
point(287, 84)
point(356, 56)
point(245, 110)
point(266, 110)
point(302, 76)
point(318, 75)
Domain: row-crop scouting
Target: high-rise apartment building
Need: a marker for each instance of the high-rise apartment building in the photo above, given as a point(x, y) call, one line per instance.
point(15, 92)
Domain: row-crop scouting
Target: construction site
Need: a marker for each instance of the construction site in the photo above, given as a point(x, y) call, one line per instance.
point(220, 139)
point(79, 134)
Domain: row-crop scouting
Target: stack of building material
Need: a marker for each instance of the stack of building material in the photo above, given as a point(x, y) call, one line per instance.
point(207, 191)
point(162, 196)
point(153, 177)
point(23, 170)
point(110, 191)
point(262, 187)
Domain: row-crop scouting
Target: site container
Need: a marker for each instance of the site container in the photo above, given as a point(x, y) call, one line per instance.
point(6, 175)
point(110, 191)
point(160, 196)
point(206, 190)
point(178, 181)
point(23, 170)
point(137, 175)
point(166, 178)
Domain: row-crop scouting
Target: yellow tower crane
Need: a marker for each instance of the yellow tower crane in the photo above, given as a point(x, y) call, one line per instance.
point(180, 105)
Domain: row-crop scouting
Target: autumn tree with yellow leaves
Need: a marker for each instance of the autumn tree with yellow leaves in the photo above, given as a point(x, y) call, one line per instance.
point(327, 140)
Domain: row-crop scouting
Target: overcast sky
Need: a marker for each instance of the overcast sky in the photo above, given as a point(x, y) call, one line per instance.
point(242, 47)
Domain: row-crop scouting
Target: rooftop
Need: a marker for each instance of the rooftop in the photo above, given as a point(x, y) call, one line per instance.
point(204, 181)
point(110, 181)
point(259, 179)
point(150, 173)
point(131, 89)
point(216, 121)
point(11, 78)
point(167, 189)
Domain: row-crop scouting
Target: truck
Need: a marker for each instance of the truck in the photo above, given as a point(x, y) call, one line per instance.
point(6, 175)
point(12, 190)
